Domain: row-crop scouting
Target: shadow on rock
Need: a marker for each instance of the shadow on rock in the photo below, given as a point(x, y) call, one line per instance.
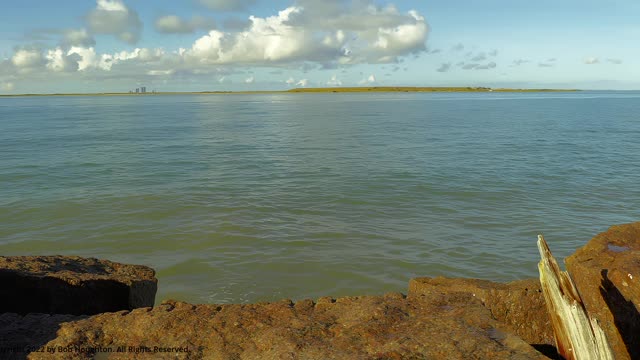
point(625, 315)
point(21, 335)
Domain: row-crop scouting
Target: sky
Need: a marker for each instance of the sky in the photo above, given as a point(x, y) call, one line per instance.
point(233, 45)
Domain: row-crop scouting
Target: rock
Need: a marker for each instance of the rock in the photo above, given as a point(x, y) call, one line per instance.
point(73, 285)
point(453, 325)
point(519, 305)
point(22, 334)
point(607, 273)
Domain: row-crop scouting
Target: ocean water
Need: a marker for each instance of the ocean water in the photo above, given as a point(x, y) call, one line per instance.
point(245, 198)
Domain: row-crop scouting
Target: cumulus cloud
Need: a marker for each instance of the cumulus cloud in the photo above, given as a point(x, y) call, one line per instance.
point(334, 81)
point(115, 18)
point(7, 86)
point(306, 37)
point(250, 80)
point(615, 61)
point(59, 61)
point(290, 81)
point(172, 24)
point(591, 60)
point(444, 67)
point(362, 31)
point(285, 37)
point(90, 60)
point(27, 60)
point(369, 80)
point(227, 5)
point(493, 52)
point(434, 51)
point(77, 37)
point(542, 64)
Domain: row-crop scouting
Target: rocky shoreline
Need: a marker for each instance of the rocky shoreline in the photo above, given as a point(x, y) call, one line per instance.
point(76, 308)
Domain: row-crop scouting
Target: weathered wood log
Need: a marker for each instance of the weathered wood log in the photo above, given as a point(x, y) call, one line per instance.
point(578, 336)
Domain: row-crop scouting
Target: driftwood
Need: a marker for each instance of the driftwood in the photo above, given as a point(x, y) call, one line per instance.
point(578, 336)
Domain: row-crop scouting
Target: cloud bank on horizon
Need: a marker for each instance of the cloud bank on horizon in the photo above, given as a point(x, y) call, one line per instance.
point(302, 43)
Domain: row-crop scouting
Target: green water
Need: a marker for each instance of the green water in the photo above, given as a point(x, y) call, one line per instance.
point(244, 198)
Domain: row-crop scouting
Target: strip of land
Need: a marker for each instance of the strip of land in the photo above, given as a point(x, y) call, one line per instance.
point(374, 89)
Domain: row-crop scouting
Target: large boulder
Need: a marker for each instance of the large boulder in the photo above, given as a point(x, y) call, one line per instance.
point(73, 285)
point(519, 305)
point(607, 274)
point(433, 326)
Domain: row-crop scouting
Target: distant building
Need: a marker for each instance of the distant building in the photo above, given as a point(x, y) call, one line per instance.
point(143, 89)
point(137, 90)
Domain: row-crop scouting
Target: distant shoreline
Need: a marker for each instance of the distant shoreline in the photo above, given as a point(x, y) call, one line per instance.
point(375, 89)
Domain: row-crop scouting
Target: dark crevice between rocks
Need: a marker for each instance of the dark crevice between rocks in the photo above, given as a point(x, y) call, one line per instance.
point(547, 350)
point(625, 315)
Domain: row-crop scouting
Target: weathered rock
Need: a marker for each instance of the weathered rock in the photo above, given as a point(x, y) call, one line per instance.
point(73, 285)
point(452, 325)
point(519, 305)
point(607, 273)
point(23, 334)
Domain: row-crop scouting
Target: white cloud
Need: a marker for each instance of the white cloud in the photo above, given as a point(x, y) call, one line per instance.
point(357, 32)
point(591, 60)
point(160, 72)
point(77, 37)
point(334, 81)
point(291, 36)
point(250, 80)
point(370, 80)
point(267, 40)
point(88, 57)
point(90, 60)
point(290, 81)
point(7, 86)
point(615, 61)
point(114, 17)
point(172, 24)
point(59, 61)
point(227, 5)
point(27, 58)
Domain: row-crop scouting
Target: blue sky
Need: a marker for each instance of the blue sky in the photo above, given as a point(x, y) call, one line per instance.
point(196, 45)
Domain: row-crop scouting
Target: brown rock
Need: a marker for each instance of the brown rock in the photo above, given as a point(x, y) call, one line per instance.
point(607, 273)
point(20, 335)
point(452, 325)
point(73, 285)
point(519, 305)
